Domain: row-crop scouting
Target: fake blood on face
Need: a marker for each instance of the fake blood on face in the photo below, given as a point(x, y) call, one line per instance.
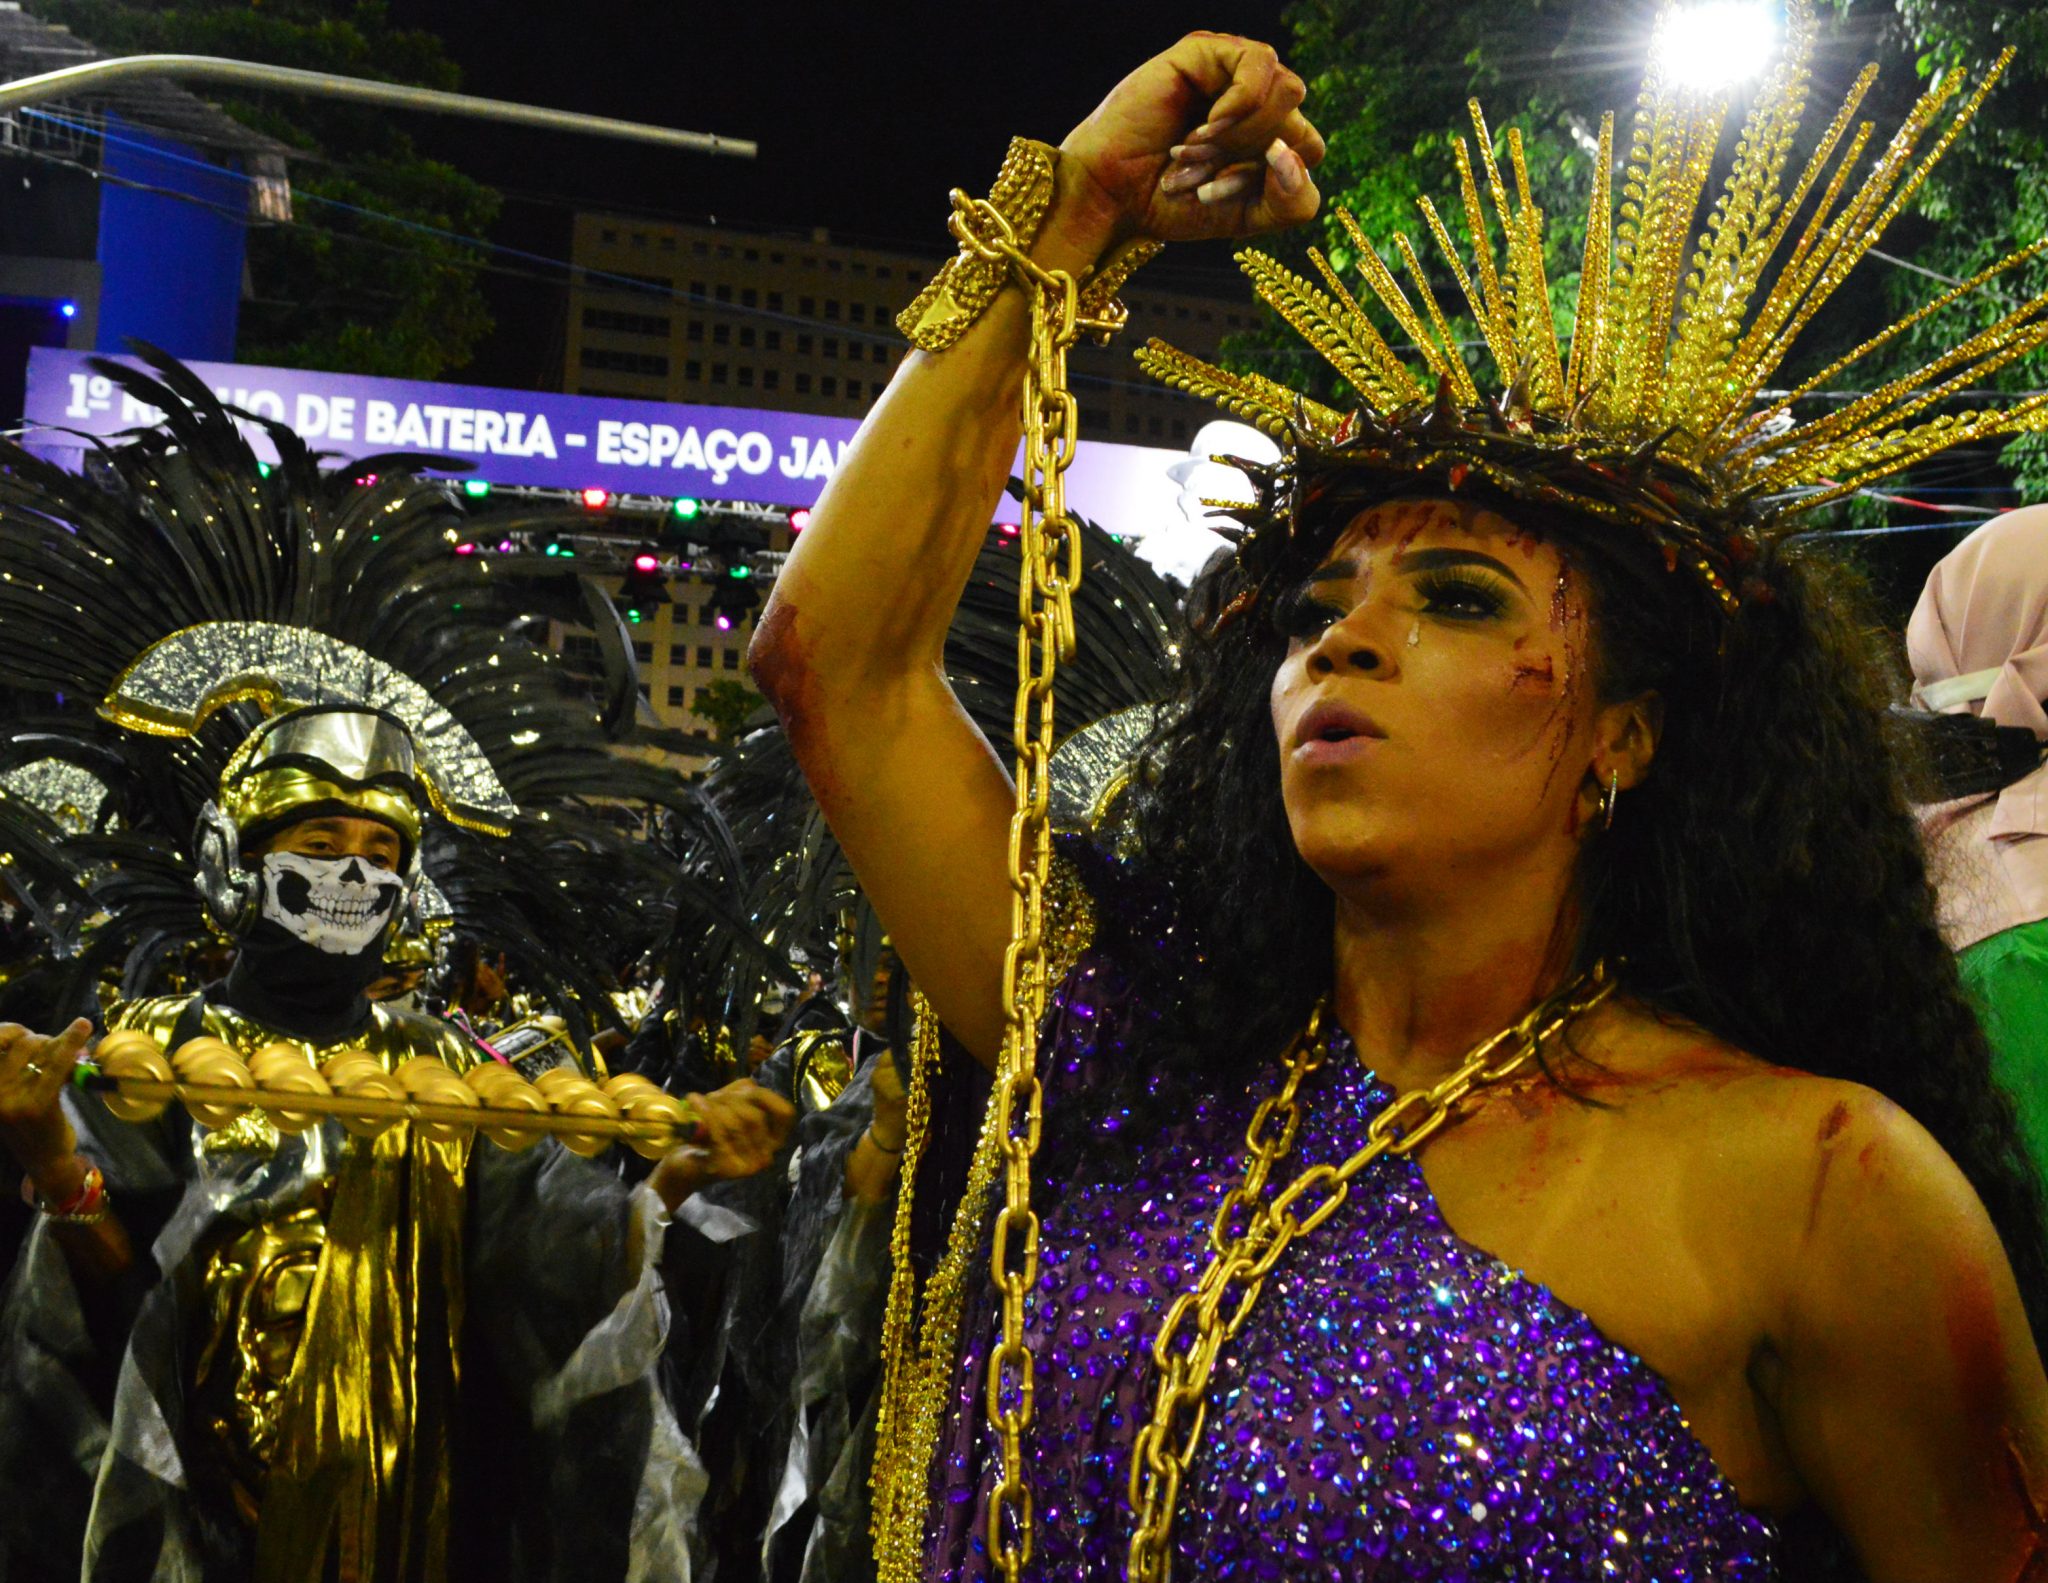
point(1559, 726)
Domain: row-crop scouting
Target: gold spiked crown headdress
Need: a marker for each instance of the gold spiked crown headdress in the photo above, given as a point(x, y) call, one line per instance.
point(1652, 413)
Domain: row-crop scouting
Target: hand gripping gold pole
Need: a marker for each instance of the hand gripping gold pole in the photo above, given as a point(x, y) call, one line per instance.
point(137, 1080)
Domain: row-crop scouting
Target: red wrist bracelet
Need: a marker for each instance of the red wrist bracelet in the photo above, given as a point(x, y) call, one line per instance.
point(84, 1207)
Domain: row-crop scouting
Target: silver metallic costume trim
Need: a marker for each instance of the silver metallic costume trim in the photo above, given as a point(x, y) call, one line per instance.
point(175, 685)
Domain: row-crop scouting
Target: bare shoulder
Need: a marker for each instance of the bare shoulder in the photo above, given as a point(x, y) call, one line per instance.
point(1799, 1141)
point(1894, 1353)
point(1637, 1053)
point(1843, 1142)
point(1883, 1200)
point(1877, 1329)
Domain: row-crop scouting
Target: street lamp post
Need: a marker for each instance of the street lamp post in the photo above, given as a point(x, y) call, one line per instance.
point(72, 80)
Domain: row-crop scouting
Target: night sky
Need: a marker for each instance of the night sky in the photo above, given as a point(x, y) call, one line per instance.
point(866, 114)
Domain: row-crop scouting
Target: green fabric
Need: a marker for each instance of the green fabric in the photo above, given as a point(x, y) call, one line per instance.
point(2007, 977)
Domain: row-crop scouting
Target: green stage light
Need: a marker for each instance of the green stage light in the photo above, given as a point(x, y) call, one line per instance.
point(476, 488)
point(688, 509)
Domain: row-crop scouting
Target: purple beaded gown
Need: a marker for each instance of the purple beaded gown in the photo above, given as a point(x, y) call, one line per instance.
point(1400, 1404)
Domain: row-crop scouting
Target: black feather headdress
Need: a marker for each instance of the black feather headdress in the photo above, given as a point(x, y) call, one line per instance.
point(180, 529)
point(803, 892)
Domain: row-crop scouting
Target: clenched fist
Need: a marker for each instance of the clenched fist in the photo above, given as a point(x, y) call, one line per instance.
point(1207, 140)
point(33, 1071)
point(741, 1125)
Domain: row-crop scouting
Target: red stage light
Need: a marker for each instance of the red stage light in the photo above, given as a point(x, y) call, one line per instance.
point(596, 499)
point(646, 563)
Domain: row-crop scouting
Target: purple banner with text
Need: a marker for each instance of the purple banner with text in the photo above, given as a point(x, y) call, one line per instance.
point(558, 442)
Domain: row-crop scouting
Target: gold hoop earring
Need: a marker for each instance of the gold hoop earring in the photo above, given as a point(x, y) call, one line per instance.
point(1609, 798)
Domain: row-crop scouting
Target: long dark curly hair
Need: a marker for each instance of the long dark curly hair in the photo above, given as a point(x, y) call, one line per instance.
point(1766, 882)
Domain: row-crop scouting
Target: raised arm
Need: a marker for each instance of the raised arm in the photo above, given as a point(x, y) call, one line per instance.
point(1206, 140)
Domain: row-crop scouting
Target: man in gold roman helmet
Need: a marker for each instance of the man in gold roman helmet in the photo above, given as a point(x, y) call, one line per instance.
point(251, 1345)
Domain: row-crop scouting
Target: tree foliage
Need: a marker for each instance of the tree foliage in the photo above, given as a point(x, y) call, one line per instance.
point(371, 276)
point(1989, 198)
point(727, 706)
point(1389, 86)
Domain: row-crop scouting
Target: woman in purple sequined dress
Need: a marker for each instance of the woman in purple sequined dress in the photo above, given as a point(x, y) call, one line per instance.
point(1734, 1283)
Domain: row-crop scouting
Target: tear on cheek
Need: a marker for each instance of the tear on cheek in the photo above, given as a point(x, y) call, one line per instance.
point(1560, 603)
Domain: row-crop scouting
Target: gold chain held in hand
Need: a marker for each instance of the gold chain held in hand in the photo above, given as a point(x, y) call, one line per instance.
point(994, 236)
point(1051, 547)
point(961, 291)
point(969, 281)
point(1241, 1256)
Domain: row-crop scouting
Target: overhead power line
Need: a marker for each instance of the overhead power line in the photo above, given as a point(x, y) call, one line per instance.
point(624, 283)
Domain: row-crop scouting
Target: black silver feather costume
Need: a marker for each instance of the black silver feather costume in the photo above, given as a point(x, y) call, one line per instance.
point(567, 1460)
point(182, 526)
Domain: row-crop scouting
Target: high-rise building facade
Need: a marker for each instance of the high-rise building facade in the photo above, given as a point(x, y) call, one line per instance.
point(800, 322)
point(682, 650)
point(662, 311)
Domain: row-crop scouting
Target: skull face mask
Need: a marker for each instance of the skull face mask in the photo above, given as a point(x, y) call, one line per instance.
point(334, 904)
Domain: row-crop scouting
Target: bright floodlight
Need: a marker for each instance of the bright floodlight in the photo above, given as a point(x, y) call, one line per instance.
point(1718, 44)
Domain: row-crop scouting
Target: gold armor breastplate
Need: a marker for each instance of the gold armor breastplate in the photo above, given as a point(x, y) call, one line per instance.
point(822, 1067)
point(256, 1281)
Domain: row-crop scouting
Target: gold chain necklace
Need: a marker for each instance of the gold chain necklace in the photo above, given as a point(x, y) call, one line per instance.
point(1241, 1257)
